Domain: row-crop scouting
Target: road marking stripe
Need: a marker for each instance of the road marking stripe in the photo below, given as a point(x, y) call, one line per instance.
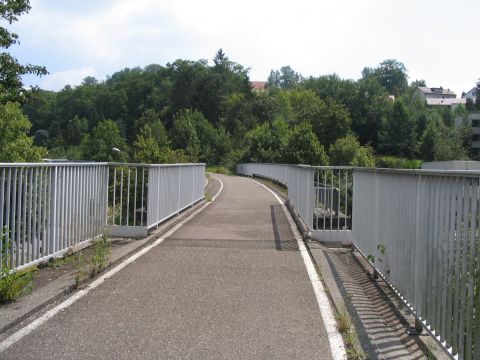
point(12, 339)
point(334, 337)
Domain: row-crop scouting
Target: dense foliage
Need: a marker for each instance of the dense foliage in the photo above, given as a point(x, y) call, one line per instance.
point(196, 111)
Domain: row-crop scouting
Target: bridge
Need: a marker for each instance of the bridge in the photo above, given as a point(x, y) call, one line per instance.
point(234, 279)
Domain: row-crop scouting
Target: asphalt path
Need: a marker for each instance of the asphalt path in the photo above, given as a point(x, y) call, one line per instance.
point(229, 284)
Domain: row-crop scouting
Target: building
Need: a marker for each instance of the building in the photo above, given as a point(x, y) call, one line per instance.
point(474, 121)
point(472, 94)
point(438, 96)
point(258, 85)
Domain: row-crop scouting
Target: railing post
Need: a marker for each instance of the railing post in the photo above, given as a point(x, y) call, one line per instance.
point(106, 181)
point(53, 210)
point(179, 190)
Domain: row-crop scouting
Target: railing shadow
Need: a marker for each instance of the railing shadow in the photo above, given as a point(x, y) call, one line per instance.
point(378, 322)
point(281, 227)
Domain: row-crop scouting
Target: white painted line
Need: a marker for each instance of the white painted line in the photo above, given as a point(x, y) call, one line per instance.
point(219, 191)
point(334, 337)
point(12, 339)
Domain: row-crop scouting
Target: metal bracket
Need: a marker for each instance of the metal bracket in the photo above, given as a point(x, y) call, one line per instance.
point(415, 330)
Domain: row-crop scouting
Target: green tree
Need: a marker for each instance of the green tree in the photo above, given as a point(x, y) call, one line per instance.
point(76, 130)
point(332, 86)
point(303, 147)
point(148, 117)
point(399, 136)
point(152, 146)
point(286, 78)
point(369, 110)
point(184, 133)
point(448, 146)
point(15, 144)
point(364, 157)
point(267, 142)
point(440, 142)
point(329, 119)
point(41, 138)
point(392, 75)
point(428, 140)
point(333, 123)
point(102, 143)
point(347, 151)
point(11, 71)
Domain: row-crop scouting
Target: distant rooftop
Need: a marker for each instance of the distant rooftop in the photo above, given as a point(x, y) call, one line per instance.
point(471, 93)
point(437, 91)
point(258, 85)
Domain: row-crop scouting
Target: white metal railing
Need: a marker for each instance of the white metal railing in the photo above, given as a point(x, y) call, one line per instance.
point(47, 209)
point(420, 229)
point(144, 195)
point(320, 194)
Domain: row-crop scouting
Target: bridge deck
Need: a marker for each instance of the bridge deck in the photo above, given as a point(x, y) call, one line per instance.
point(230, 283)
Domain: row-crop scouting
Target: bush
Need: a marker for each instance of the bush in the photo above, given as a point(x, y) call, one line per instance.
point(14, 284)
point(393, 162)
point(347, 151)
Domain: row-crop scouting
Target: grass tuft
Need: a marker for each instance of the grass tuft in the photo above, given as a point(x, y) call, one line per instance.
point(89, 268)
point(220, 170)
point(344, 326)
point(13, 284)
point(208, 196)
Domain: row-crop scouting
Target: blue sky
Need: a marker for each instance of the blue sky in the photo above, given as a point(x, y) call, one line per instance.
point(436, 40)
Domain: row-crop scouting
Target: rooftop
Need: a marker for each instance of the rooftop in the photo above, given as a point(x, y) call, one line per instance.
point(258, 85)
point(433, 90)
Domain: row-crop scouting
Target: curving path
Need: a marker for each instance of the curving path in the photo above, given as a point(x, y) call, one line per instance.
point(229, 284)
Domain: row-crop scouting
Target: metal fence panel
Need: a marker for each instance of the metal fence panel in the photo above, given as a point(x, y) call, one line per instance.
point(47, 208)
point(420, 231)
point(322, 196)
point(144, 195)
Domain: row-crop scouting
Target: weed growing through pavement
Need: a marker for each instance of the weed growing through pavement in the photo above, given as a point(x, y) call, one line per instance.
point(87, 269)
point(344, 326)
point(13, 284)
point(208, 196)
point(102, 252)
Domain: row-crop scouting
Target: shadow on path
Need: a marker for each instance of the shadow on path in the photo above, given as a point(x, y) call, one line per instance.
point(279, 220)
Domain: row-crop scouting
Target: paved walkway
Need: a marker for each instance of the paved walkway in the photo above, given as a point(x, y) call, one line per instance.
point(229, 284)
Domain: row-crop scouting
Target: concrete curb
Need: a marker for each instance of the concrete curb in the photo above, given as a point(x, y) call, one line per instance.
point(65, 284)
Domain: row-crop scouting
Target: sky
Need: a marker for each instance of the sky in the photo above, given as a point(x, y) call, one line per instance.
point(437, 40)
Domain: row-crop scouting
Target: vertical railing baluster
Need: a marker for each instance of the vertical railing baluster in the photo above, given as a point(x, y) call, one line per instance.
point(114, 192)
point(135, 198)
point(128, 196)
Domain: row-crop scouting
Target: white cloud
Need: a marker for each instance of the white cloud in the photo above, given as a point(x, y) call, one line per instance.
point(58, 79)
point(314, 37)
